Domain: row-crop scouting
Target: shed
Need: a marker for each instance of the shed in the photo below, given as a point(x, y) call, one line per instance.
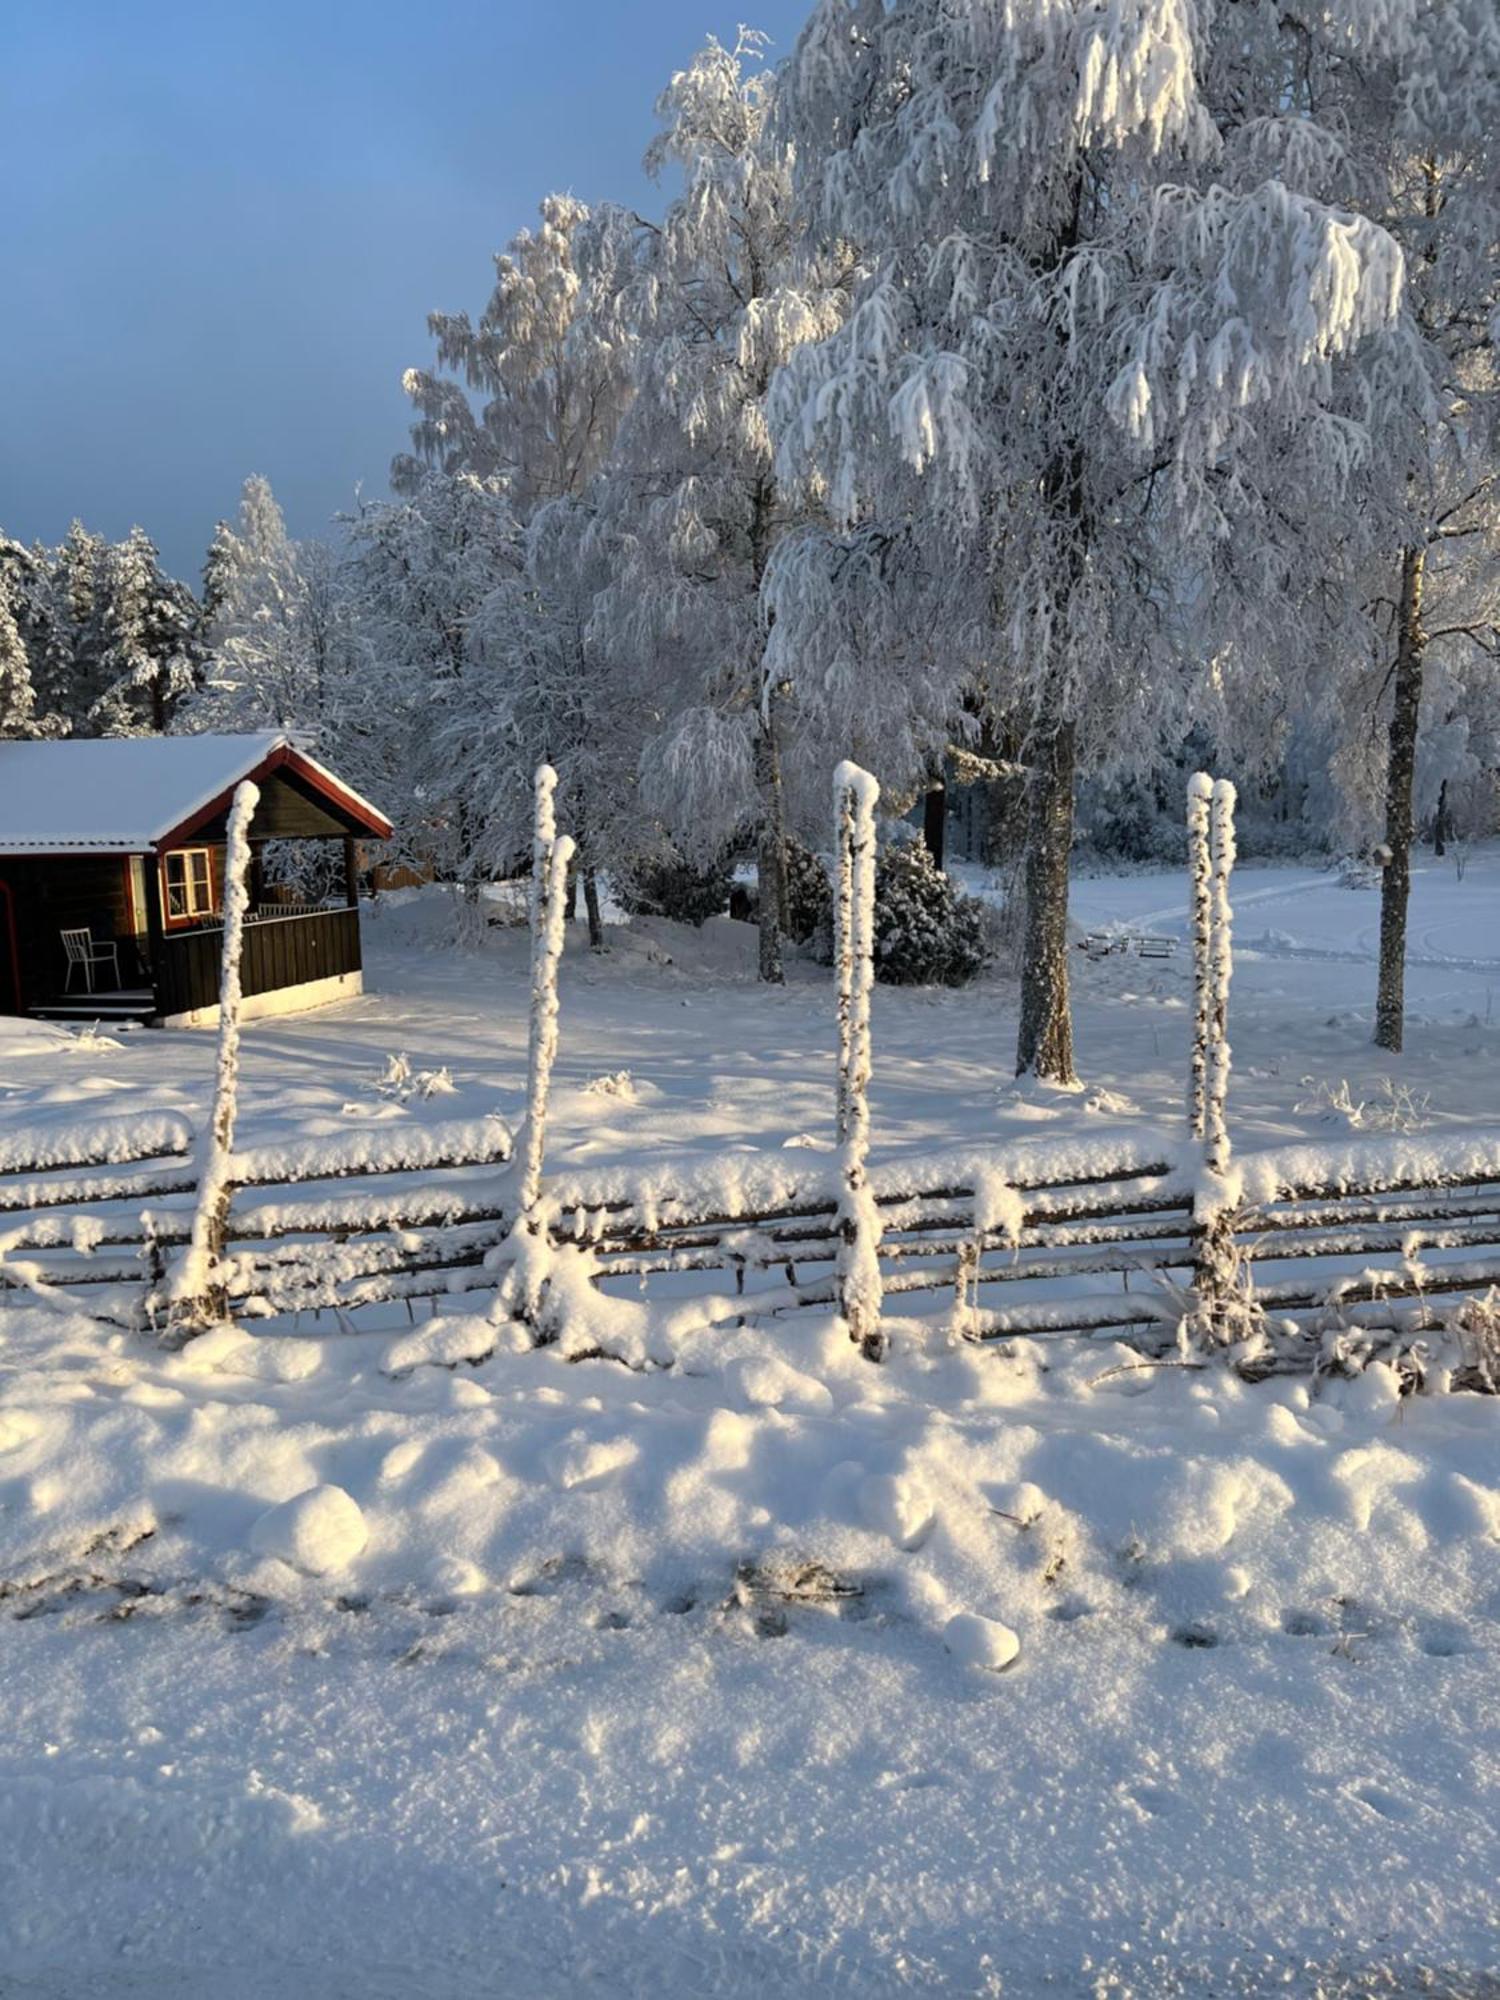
point(112, 878)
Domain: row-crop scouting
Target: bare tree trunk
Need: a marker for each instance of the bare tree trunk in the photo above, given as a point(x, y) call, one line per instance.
point(1044, 1045)
point(1441, 831)
point(591, 906)
point(771, 852)
point(935, 823)
point(1395, 884)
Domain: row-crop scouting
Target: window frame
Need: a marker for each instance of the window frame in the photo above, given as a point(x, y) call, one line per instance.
point(192, 911)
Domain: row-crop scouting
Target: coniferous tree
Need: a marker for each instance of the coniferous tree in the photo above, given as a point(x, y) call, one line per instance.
point(75, 677)
point(266, 638)
point(149, 643)
point(17, 696)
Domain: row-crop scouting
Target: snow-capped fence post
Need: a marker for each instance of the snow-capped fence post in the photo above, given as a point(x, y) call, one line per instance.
point(196, 1295)
point(1216, 1262)
point(1216, 1096)
point(551, 854)
point(860, 1287)
point(1200, 872)
point(843, 933)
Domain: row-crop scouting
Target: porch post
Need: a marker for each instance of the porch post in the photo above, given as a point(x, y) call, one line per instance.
point(155, 929)
point(351, 873)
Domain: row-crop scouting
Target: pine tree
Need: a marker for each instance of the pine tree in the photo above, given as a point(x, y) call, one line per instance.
point(265, 639)
point(17, 696)
point(218, 577)
point(75, 676)
point(149, 642)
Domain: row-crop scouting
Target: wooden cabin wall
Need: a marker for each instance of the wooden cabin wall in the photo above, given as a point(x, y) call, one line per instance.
point(287, 811)
point(52, 894)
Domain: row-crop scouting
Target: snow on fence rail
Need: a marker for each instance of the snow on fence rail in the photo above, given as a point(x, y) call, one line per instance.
point(1139, 1235)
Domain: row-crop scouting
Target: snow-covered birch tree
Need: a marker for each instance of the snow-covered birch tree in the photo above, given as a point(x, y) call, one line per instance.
point(420, 568)
point(1095, 336)
point(734, 288)
point(1432, 111)
point(551, 358)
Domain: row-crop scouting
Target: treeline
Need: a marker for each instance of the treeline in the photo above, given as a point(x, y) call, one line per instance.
point(95, 640)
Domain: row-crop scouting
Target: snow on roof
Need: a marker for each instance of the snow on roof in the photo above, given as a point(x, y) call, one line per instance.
point(120, 795)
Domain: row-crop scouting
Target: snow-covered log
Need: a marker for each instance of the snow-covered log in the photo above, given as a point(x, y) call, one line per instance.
point(95, 1142)
point(196, 1296)
point(855, 794)
point(381, 1149)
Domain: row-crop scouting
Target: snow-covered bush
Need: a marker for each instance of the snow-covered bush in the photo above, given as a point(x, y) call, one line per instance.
point(666, 883)
point(927, 933)
point(809, 894)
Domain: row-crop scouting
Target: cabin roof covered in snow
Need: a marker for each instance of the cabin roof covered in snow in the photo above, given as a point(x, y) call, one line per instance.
point(127, 795)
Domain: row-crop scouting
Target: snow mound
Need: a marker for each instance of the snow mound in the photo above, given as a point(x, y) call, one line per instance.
point(766, 1382)
point(318, 1531)
point(898, 1505)
point(976, 1641)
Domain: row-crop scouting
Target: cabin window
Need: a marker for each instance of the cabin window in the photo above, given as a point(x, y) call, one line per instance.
point(188, 881)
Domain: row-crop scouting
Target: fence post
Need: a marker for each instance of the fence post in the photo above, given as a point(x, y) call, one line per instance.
point(1200, 791)
point(551, 853)
point(1216, 1262)
point(860, 1286)
point(843, 944)
point(197, 1297)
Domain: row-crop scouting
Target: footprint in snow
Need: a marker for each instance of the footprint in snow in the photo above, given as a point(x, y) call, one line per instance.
point(1196, 1638)
point(1298, 1623)
point(1446, 1642)
point(581, 1464)
point(1386, 1803)
point(1153, 1800)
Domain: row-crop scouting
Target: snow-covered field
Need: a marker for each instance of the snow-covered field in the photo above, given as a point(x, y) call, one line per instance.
point(611, 1683)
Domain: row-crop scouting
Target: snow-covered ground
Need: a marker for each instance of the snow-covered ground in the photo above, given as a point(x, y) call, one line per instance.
point(607, 1683)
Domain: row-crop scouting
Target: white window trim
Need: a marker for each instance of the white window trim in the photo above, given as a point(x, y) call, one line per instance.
point(190, 888)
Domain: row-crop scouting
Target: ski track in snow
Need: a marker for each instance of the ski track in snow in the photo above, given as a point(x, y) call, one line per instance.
point(557, 1707)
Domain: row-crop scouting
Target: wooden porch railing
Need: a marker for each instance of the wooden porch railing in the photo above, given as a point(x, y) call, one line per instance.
point(279, 949)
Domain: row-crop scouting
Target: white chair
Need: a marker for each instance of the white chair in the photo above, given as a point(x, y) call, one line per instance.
point(83, 954)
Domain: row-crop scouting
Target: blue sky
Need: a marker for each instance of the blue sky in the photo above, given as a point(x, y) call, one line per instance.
point(225, 222)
